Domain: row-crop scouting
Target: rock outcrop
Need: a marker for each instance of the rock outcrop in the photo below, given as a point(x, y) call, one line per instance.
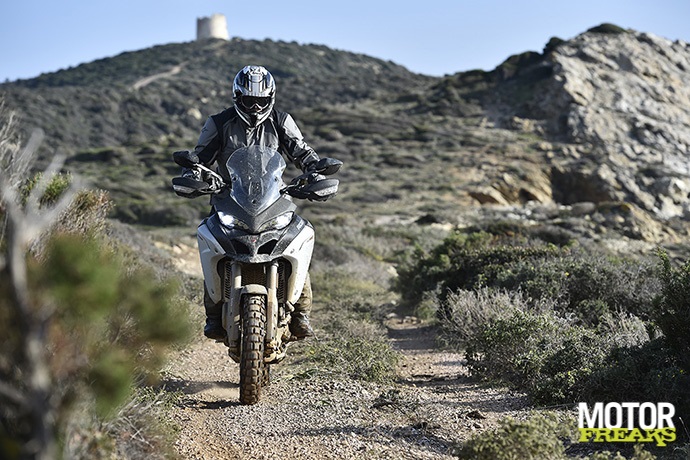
point(622, 100)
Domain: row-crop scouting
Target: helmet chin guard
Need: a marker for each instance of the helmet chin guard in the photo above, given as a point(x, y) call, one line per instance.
point(254, 92)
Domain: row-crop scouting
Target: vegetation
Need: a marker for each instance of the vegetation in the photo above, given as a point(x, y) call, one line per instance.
point(91, 322)
point(542, 436)
point(607, 28)
point(585, 285)
point(349, 286)
point(539, 437)
point(562, 324)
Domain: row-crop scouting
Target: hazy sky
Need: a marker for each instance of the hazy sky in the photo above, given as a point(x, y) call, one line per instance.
point(433, 37)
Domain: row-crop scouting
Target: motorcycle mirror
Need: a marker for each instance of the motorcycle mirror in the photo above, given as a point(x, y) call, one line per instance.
point(186, 159)
point(328, 166)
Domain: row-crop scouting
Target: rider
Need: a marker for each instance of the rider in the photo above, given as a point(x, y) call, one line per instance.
point(252, 120)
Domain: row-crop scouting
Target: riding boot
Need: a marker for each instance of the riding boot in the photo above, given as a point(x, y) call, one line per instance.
point(214, 318)
point(299, 324)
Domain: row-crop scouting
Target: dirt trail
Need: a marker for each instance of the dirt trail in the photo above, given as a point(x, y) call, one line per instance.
point(432, 407)
point(151, 78)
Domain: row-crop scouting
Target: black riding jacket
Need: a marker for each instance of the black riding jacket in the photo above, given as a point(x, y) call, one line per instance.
point(279, 132)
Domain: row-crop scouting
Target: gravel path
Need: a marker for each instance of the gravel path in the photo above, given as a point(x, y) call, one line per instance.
point(433, 406)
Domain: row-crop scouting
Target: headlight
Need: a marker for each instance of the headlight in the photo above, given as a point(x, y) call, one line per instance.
point(231, 221)
point(278, 222)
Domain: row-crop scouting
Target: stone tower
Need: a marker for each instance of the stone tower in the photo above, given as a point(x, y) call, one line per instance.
point(215, 26)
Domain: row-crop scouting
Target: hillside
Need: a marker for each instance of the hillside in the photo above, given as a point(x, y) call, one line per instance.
point(597, 119)
point(168, 90)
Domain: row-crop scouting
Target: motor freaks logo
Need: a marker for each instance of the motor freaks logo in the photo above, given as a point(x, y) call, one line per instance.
point(644, 422)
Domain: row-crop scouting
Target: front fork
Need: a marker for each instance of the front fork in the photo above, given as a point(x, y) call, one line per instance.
point(232, 309)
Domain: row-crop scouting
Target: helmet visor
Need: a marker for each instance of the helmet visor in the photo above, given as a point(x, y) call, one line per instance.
point(255, 103)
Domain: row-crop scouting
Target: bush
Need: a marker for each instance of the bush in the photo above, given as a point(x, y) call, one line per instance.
point(607, 28)
point(647, 372)
point(360, 351)
point(464, 313)
point(531, 347)
point(555, 322)
point(112, 321)
point(107, 327)
point(463, 261)
point(672, 310)
point(538, 316)
point(86, 326)
point(55, 187)
point(543, 436)
point(583, 284)
point(539, 353)
point(589, 286)
point(539, 437)
point(656, 370)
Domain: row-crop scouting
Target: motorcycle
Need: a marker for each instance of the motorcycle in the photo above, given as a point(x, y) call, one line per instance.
point(255, 251)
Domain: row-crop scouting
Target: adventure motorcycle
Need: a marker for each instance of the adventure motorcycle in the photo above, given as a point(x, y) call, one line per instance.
point(255, 251)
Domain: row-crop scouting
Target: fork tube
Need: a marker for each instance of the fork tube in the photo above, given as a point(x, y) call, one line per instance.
point(234, 331)
point(272, 303)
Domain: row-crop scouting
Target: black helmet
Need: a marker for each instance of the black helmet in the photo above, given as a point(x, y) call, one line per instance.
point(254, 93)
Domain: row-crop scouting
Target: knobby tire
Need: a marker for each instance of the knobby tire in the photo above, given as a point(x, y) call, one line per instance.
point(252, 370)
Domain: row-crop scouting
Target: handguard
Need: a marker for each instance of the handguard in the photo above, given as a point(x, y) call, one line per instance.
point(188, 187)
point(196, 179)
point(313, 187)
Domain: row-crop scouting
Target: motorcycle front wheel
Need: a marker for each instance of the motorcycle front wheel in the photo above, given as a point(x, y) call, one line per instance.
point(252, 356)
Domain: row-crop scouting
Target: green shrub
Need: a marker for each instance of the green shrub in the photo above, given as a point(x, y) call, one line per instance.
point(462, 261)
point(607, 28)
point(465, 313)
point(557, 322)
point(647, 372)
point(54, 189)
point(358, 349)
point(672, 309)
point(544, 436)
point(658, 370)
point(117, 320)
point(539, 438)
point(552, 359)
point(526, 350)
point(552, 44)
point(638, 454)
point(107, 327)
point(511, 348)
point(587, 285)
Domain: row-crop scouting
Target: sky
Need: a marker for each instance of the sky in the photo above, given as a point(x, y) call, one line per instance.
point(432, 37)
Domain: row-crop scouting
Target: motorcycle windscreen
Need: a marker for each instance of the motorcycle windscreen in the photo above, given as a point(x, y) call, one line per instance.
point(257, 177)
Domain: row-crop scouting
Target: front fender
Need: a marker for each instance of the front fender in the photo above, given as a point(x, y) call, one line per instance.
point(254, 289)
